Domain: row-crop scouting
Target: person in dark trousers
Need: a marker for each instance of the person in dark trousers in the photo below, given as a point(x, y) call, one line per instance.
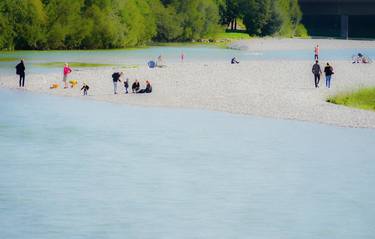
point(20, 70)
point(85, 88)
point(328, 70)
point(148, 88)
point(317, 71)
point(135, 86)
point(234, 61)
point(116, 78)
point(126, 85)
point(316, 52)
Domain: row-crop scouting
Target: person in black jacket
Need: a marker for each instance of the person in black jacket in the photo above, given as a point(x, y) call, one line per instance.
point(148, 88)
point(316, 70)
point(116, 78)
point(20, 70)
point(135, 86)
point(328, 70)
point(234, 61)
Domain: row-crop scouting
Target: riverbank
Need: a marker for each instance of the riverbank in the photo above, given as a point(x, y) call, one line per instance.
point(284, 44)
point(277, 89)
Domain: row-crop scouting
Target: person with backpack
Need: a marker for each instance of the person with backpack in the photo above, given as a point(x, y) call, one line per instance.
point(20, 70)
point(317, 71)
point(328, 70)
point(116, 78)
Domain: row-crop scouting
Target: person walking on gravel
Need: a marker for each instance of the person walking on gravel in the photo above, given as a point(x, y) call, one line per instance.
point(328, 70)
point(317, 71)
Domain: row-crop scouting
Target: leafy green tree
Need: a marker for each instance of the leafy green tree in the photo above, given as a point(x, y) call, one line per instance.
point(6, 33)
point(66, 28)
point(169, 23)
point(28, 19)
point(200, 18)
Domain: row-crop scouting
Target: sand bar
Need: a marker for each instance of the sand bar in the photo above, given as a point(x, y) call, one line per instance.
point(273, 88)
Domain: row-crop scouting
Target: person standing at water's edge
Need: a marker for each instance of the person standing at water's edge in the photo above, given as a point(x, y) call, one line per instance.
point(116, 78)
point(67, 71)
point(20, 70)
point(316, 53)
point(328, 70)
point(317, 71)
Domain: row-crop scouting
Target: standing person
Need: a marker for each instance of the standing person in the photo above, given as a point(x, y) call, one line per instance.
point(316, 53)
point(20, 70)
point(126, 85)
point(182, 56)
point(116, 78)
point(317, 71)
point(159, 62)
point(135, 86)
point(67, 71)
point(328, 70)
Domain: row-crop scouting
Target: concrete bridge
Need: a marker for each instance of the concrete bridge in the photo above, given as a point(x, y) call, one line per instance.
point(340, 16)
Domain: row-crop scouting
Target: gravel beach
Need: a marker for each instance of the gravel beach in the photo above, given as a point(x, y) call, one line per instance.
point(272, 88)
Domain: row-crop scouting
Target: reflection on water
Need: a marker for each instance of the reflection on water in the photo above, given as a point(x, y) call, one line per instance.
point(78, 169)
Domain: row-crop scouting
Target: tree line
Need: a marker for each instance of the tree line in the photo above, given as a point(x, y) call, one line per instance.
point(101, 24)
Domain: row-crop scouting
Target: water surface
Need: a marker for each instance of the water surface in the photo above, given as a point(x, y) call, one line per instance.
point(170, 55)
point(79, 169)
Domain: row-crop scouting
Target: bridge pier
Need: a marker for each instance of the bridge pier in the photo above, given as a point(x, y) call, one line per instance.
point(345, 26)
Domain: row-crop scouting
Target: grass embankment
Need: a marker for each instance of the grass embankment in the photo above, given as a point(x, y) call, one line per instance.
point(8, 59)
point(82, 64)
point(361, 99)
point(222, 40)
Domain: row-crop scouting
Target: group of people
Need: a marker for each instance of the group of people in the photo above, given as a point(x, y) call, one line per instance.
point(317, 70)
point(360, 58)
point(116, 77)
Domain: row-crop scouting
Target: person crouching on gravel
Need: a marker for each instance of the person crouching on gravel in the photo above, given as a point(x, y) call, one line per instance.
point(85, 88)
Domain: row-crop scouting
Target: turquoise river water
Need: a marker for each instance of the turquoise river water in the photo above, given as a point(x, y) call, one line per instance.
point(79, 169)
point(8, 60)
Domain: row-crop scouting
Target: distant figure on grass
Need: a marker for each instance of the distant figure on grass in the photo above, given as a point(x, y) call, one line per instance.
point(126, 85)
point(116, 78)
point(67, 71)
point(148, 88)
point(328, 70)
point(316, 52)
point(234, 61)
point(135, 86)
point(85, 88)
point(317, 71)
point(20, 70)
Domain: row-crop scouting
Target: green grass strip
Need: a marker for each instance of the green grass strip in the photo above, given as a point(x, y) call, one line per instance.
point(361, 99)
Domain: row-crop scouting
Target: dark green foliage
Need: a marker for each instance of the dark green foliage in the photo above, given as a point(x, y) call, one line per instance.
point(93, 24)
point(267, 17)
